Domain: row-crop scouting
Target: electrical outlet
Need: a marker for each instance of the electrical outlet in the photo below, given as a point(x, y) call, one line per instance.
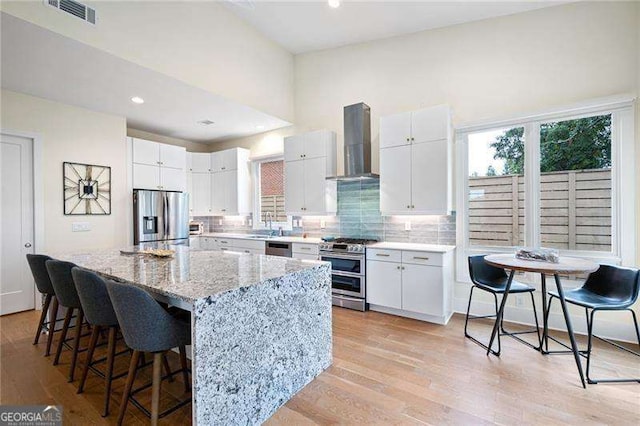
point(80, 227)
point(323, 224)
point(519, 301)
point(407, 226)
point(219, 222)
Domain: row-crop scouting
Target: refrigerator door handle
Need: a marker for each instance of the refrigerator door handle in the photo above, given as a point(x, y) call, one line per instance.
point(167, 214)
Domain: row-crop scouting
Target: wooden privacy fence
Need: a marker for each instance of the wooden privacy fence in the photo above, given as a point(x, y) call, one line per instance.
point(575, 210)
point(275, 205)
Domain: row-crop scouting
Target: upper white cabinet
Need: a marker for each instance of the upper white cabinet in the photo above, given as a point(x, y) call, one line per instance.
point(158, 166)
point(415, 162)
point(309, 159)
point(220, 183)
point(425, 125)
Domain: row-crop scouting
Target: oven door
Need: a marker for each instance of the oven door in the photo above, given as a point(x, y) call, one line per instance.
point(344, 263)
point(348, 284)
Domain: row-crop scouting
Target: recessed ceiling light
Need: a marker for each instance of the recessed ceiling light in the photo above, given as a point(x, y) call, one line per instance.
point(205, 122)
point(137, 100)
point(334, 3)
point(259, 127)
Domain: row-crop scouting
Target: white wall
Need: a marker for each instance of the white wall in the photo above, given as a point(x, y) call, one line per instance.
point(76, 135)
point(201, 43)
point(263, 144)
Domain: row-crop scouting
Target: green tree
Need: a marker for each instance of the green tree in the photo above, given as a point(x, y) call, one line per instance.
point(584, 143)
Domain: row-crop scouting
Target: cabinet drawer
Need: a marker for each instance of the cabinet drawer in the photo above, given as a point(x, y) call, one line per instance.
point(422, 258)
point(305, 256)
point(247, 244)
point(305, 248)
point(384, 255)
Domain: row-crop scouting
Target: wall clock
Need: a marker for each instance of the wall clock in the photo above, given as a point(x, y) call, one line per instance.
point(87, 189)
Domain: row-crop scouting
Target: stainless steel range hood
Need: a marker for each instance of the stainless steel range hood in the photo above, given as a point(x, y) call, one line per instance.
point(357, 143)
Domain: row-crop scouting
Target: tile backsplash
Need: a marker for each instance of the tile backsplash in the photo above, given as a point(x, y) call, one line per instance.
point(358, 216)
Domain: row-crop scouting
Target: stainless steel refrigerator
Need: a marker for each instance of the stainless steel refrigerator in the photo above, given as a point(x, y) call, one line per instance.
point(160, 216)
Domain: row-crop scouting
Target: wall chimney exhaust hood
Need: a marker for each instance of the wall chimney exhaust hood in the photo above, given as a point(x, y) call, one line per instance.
point(357, 143)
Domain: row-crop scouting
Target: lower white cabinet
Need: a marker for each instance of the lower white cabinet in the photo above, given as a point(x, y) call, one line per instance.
point(416, 284)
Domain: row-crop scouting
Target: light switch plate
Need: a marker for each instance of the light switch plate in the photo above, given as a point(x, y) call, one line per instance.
point(323, 224)
point(80, 227)
point(407, 226)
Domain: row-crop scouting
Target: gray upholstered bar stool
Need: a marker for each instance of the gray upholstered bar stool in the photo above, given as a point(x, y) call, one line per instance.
point(147, 327)
point(44, 286)
point(99, 313)
point(60, 274)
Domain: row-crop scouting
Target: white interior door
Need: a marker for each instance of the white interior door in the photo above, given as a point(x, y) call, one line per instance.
point(16, 224)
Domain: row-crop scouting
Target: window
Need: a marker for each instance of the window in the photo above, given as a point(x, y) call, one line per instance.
point(269, 199)
point(563, 179)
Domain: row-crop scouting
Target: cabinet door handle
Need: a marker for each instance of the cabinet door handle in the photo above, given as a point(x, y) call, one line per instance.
point(413, 207)
point(224, 249)
point(305, 248)
point(408, 139)
point(397, 267)
point(408, 206)
point(224, 242)
point(382, 255)
point(412, 139)
point(420, 258)
point(247, 251)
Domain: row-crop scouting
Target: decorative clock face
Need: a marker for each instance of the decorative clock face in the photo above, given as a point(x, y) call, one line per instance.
point(87, 189)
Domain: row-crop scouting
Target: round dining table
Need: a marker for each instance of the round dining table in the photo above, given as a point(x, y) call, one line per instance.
point(566, 265)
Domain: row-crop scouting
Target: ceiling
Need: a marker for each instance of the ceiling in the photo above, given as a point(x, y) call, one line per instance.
point(42, 63)
point(306, 25)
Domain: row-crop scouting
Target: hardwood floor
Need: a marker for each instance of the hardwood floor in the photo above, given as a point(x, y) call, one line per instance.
point(386, 370)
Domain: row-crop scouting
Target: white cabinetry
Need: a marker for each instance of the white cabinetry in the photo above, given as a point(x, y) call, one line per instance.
point(415, 162)
point(158, 166)
point(309, 159)
point(417, 284)
point(220, 183)
point(305, 251)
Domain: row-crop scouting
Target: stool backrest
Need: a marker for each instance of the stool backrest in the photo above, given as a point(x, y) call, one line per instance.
point(60, 274)
point(616, 282)
point(40, 273)
point(145, 325)
point(95, 300)
point(483, 273)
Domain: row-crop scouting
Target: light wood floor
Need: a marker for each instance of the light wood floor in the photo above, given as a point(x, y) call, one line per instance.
point(386, 370)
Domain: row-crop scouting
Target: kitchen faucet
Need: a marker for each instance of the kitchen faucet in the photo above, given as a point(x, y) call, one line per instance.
point(269, 216)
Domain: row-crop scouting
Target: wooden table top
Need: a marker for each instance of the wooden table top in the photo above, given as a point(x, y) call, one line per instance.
point(567, 265)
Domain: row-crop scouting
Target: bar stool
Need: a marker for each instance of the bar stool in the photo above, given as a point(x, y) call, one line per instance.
point(610, 288)
point(99, 313)
point(44, 286)
point(494, 280)
point(147, 327)
point(60, 274)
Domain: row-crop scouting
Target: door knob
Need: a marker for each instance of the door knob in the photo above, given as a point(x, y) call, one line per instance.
point(27, 245)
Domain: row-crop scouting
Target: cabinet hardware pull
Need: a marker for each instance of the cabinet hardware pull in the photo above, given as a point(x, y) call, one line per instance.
point(420, 258)
point(224, 242)
point(407, 139)
point(305, 248)
point(408, 206)
point(403, 267)
point(223, 249)
point(413, 207)
point(247, 251)
point(397, 267)
point(413, 139)
point(382, 255)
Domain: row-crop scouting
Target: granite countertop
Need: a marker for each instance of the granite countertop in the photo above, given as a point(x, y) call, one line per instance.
point(191, 274)
point(433, 248)
point(290, 239)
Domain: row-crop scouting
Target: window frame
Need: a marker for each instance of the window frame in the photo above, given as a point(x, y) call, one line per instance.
point(623, 226)
point(258, 223)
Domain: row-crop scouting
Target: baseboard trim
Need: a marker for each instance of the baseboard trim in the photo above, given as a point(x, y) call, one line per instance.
point(442, 320)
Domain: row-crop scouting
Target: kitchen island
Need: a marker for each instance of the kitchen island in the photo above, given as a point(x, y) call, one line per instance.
point(261, 325)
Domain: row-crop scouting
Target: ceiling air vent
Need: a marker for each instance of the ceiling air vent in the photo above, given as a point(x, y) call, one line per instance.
point(74, 8)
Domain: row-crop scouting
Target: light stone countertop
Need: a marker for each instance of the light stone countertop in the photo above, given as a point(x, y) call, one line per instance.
point(432, 248)
point(191, 274)
point(290, 239)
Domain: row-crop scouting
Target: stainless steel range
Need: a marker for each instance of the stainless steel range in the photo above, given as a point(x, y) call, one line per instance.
point(348, 271)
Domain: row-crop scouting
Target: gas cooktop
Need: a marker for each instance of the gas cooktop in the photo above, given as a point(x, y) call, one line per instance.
point(349, 245)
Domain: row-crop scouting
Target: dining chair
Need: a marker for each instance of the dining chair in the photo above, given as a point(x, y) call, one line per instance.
point(493, 280)
point(610, 288)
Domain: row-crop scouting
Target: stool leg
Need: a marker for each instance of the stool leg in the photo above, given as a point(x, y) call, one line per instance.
point(43, 317)
point(63, 335)
point(108, 377)
point(155, 389)
point(185, 372)
point(92, 347)
point(76, 344)
point(167, 369)
point(52, 325)
point(133, 368)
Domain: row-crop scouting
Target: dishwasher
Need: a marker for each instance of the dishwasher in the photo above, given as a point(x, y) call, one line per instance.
point(278, 248)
